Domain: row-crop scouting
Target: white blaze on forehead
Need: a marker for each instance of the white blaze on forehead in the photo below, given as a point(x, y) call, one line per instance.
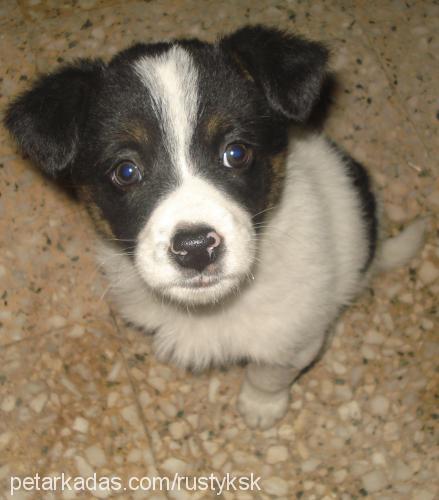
point(172, 79)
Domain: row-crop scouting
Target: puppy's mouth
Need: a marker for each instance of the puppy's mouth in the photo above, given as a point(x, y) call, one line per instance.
point(205, 282)
point(199, 282)
point(201, 289)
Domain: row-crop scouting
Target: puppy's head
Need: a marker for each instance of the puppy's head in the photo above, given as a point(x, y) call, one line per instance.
point(178, 149)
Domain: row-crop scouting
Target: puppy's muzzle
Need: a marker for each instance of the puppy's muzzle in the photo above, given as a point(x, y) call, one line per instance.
point(195, 248)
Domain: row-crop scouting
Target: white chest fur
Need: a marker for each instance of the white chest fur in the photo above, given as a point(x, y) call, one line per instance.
point(309, 259)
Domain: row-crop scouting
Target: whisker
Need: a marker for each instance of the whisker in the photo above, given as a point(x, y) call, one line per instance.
point(118, 254)
point(107, 288)
point(263, 211)
point(129, 240)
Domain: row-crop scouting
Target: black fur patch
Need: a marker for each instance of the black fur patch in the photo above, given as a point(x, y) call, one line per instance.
point(289, 69)
point(78, 123)
point(46, 120)
point(241, 115)
point(361, 182)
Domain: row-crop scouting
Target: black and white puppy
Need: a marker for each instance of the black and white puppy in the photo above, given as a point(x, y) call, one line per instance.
point(228, 229)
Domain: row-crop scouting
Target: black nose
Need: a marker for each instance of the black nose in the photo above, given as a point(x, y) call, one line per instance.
point(195, 248)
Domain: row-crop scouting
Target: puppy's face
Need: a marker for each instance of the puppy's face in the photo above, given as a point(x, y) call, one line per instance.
point(185, 155)
point(177, 149)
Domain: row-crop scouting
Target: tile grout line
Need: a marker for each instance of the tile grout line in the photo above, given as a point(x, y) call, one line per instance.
point(35, 336)
point(136, 399)
point(402, 109)
point(32, 23)
point(59, 330)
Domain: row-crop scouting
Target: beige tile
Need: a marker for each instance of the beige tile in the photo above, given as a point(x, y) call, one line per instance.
point(375, 11)
point(66, 405)
point(37, 10)
point(49, 278)
point(367, 120)
point(10, 15)
point(18, 63)
point(365, 412)
point(191, 418)
point(403, 36)
point(363, 397)
point(18, 67)
point(102, 32)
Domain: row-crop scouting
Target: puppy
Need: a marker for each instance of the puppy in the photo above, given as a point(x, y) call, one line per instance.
point(228, 229)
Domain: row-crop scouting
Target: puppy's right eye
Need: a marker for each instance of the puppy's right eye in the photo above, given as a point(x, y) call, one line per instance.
point(237, 155)
point(125, 175)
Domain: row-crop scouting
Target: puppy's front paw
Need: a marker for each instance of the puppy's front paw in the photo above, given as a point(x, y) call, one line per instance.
point(262, 409)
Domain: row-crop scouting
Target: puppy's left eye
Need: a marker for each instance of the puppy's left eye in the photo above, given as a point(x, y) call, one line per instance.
point(126, 174)
point(237, 156)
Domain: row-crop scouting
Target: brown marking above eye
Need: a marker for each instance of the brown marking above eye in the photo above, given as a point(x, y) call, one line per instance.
point(214, 125)
point(133, 132)
point(101, 224)
point(278, 166)
point(241, 68)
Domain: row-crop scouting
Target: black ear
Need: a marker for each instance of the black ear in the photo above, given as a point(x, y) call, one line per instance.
point(46, 120)
point(289, 69)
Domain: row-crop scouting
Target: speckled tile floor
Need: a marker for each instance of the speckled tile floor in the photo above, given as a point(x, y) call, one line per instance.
point(81, 393)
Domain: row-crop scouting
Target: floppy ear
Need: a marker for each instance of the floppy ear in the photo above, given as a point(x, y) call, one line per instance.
point(46, 120)
point(290, 70)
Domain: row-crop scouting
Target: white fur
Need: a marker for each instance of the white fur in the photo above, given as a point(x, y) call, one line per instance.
point(265, 394)
point(171, 79)
point(309, 260)
point(398, 250)
point(199, 203)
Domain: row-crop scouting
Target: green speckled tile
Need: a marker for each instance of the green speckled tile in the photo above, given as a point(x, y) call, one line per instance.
point(17, 68)
point(10, 16)
point(101, 32)
point(66, 405)
point(409, 55)
point(362, 421)
point(48, 274)
point(37, 10)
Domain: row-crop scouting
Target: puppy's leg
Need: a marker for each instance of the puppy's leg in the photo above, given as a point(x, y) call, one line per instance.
point(265, 394)
point(265, 391)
